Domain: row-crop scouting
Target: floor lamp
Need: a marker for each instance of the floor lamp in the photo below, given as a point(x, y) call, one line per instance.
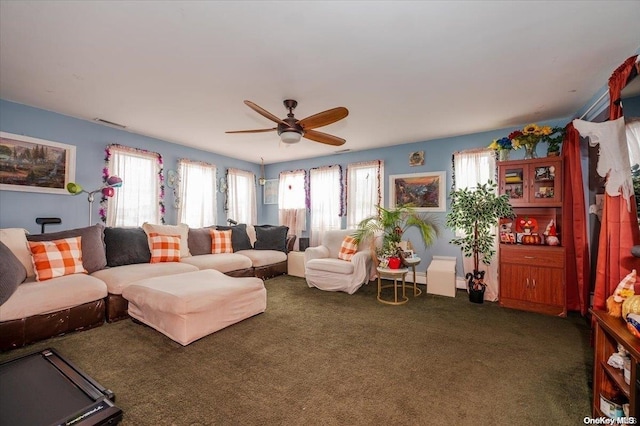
point(107, 190)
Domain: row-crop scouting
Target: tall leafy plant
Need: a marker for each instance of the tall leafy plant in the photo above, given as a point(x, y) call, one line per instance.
point(475, 212)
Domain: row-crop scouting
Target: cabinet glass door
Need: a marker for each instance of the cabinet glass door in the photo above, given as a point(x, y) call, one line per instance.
point(512, 183)
point(545, 183)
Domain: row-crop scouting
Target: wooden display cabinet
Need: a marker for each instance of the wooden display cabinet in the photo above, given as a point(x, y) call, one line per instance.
point(536, 182)
point(532, 277)
point(607, 380)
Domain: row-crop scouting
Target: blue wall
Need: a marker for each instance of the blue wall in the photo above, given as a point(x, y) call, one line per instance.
point(19, 209)
point(438, 157)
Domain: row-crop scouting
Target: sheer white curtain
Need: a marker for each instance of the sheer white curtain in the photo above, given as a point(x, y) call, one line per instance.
point(325, 194)
point(241, 193)
point(364, 190)
point(291, 202)
point(197, 200)
point(472, 168)
point(138, 199)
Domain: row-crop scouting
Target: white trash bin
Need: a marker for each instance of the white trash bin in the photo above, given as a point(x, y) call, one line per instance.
point(441, 276)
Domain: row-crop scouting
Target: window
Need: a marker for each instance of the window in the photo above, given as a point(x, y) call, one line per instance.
point(241, 193)
point(364, 191)
point(292, 211)
point(197, 200)
point(139, 199)
point(325, 193)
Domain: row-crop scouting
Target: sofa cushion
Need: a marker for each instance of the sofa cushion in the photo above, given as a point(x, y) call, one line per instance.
point(264, 257)
point(269, 237)
point(93, 251)
point(37, 298)
point(16, 240)
point(182, 230)
point(118, 278)
point(199, 241)
point(126, 246)
point(239, 237)
point(348, 248)
point(220, 241)
point(57, 258)
point(223, 262)
point(12, 273)
point(164, 248)
point(331, 265)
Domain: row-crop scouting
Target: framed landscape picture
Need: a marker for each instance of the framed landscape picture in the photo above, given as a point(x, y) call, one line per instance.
point(423, 191)
point(35, 165)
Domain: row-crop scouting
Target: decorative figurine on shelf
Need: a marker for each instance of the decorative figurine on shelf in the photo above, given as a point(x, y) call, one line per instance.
point(621, 293)
point(551, 234)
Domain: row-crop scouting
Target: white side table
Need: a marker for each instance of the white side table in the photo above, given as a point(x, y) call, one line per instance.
point(295, 263)
point(395, 275)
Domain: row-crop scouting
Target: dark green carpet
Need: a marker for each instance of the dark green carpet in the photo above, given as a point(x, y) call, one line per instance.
point(326, 358)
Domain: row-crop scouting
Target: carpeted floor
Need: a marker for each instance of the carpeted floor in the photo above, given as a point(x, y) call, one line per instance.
point(321, 358)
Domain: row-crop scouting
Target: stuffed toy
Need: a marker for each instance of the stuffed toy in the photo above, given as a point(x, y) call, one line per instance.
point(622, 291)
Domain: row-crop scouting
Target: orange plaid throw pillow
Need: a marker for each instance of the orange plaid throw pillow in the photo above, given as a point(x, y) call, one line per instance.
point(221, 241)
point(57, 258)
point(164, 248)
point(348, 248)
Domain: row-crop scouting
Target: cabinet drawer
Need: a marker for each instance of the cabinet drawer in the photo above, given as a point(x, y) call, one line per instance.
point(552, 257)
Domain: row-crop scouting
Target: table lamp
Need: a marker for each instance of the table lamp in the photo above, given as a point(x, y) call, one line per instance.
point(107, 190)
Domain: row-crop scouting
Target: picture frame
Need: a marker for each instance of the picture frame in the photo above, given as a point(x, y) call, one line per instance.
point(270, 191)
point(416, 158)
point(35, 165)
point(425, 192)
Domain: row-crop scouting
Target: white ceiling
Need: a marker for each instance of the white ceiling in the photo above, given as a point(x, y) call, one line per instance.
point(407, 71)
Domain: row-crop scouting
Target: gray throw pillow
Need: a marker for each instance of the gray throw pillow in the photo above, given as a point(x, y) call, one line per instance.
point(92, 244)
point(269, 237)
point(199, 241)
point(239, 237)
point(12, 273)
point(126, 246)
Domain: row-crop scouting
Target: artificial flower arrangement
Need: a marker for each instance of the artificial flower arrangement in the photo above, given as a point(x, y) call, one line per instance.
point(529, 137)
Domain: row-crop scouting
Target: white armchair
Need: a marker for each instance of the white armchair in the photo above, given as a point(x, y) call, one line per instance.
point(325, 271)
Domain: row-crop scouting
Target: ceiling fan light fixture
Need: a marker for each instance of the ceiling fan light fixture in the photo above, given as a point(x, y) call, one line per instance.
point(290, 137)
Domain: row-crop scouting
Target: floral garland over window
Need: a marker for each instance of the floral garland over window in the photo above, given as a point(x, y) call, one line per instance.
point(106, 174)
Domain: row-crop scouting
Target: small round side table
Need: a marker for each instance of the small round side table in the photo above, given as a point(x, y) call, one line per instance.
point(413, 262)
point(395, 275)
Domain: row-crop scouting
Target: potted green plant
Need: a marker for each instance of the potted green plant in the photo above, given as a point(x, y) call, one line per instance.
point(392, 223)
point(476, 212)
point(554, 140)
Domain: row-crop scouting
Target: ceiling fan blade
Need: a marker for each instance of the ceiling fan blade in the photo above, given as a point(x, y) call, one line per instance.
point(263, 112)
point(324, 118)
point(325, 138)
point(252, 131)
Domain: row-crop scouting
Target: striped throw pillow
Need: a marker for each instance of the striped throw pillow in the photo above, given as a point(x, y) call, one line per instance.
point(221, 241)
point(348, 248)
point(164, 248)
point(57, 258)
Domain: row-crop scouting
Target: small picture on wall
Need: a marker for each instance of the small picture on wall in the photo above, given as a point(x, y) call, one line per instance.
point(416, 158)
point(270, 191)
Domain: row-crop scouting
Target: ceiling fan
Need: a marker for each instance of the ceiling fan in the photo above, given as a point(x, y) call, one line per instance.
point(291, 129)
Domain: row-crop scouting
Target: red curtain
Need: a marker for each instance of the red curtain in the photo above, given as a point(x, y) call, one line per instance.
point(574, 225)
point(619, 227)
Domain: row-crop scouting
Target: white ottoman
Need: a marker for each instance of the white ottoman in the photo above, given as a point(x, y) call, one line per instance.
point(189, 306)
